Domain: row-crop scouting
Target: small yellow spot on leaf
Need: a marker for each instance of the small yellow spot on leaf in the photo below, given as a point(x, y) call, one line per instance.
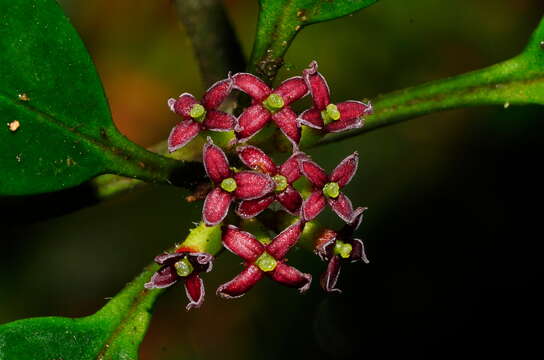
point(14, 125)
point(23, 97)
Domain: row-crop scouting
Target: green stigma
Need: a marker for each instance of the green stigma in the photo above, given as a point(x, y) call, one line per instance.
point(281, 182)
point(266, 262)
point(184, 267)
point(330, 114)
point(331, 190)
point(274, 102)
point(342, 249)
point(229, 184)
point(198, 113)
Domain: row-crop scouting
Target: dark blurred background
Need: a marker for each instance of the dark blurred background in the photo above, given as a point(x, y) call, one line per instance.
point(452, 231)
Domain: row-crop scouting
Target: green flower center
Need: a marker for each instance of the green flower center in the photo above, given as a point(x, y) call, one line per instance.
point(273, 103)
point(266, 262)
point(331, 190)
point(198, 113)
point(281, 182)
point(184, 267)
point(342, 249)
point(228, 184)
point(330, 114)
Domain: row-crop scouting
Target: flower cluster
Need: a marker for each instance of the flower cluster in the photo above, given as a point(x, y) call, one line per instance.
point(264, 183)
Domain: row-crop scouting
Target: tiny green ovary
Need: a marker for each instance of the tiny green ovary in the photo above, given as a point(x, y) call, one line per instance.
point(198, 112)
point(274, 102)
point(184, 267)
point(281, 182)
point(331, 190)
point(266, 262)
point(229, 184)
point(330, 114)
point(342, 249)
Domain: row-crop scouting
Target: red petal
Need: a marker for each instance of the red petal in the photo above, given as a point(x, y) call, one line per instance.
point(325, 244)
point(252, 185)
point(256, 159)
point(330, 277)
point(289, 276)
point(219, 121)
point(286, 120)
point(358, 251)
point(253, 119)
point(215, 162)
point(290, 199)
point(318, 86)
point(182, 133)
point(357, 218)
point(284, 241)
point(216, 206)
point(168, 258)
point(344, 125)
point(202, 262)
point(182, 106)
point(344, 172)
point(342, 207)
point(242, 243)
point(194, 289)
point(292, 89)
point(313, 205)
point(312, 118)
point(291, 167)
point(241, 283)
point(251, 208)
point(251, 85)
point(165, 277)
point(353, 109)
point(314, 173)
point(216, 94)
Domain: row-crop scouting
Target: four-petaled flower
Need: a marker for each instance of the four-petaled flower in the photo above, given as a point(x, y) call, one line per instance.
point(263, 259)
point(198, 116)
point(338, 247)
point(269, 104)
point(229, 185)
point(186, 266)
point(332, 117)
point(327, 189)
point(283, 177)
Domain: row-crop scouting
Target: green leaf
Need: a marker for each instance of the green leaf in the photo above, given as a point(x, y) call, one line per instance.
point(114, 332)
point(279, 22)
point(56, 129)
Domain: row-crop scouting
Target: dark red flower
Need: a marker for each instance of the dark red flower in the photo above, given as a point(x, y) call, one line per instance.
point(186, 266)
point(229, 185)
point(198, 116)
point(269, 104)
point(339, 247)
point(327, 189)
point(332, 117)
point(263, 259)
point(283, 176)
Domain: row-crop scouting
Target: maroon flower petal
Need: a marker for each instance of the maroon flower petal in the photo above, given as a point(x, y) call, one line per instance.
point(182, 133)
point(291, 167)
point(344, 125)
point(313, 205)
point(216, 94)
point(290, 199)
point(286, 120)
point(251, 85)
point(314, 173)
point(169, 258)
point(325, 244)
point(353, 109)
point(289, 276)
point(318, 86)
point(216, 206)
point(256, 159)
point(330, 277)
point(292, 89)
point(285, 240)
point(344, 172)
point(202, 262)
point(253, 119)
point(358, 251)
point(252, 185)
point(357, 218)
point(183, 104)
point(241, 283)
point(219, 121)
point(165, 277)
point(342, 207)
point(215, 162)
point(242, 243)
point(251, 208)
point(194, 289)
point(312, 118)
